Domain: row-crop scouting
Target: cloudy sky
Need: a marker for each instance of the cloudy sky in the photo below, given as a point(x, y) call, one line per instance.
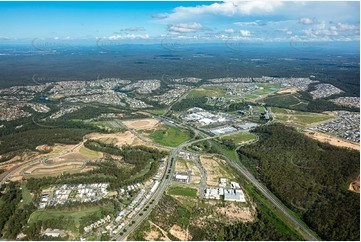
point(152, 22)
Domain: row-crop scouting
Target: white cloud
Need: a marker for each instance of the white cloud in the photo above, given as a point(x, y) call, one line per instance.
point(254, 23)
point(346, 27)
point(324, 31)
point(160, 15)
point(128, 36)
point(230, 31)
point(286, 30)
point(185, 28)
point(245, 33)
point(134, 29)
point(306, 21)
point(226, 8)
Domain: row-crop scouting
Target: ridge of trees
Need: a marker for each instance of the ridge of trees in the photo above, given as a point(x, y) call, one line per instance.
point(310, 177)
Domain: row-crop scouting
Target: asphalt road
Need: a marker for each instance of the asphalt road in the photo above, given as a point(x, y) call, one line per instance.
point(141, 215)
point(307, 234)
point(305, 231)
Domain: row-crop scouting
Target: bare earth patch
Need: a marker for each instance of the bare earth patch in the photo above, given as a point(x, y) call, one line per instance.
point(15, 158)
point(215, 169)
point(355, 185)
point(185, 166)
point(156, 233)
point(142, 124)
point(288, 90)
point(119, 139)
point(195, 179)
point(62, 158)
point(180, 166)
point(234, 213)
point(44, 148)
point(332, 140)
point(180, 233)
point(45, 169)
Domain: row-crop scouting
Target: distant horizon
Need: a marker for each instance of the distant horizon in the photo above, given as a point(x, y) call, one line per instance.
point(149, 22)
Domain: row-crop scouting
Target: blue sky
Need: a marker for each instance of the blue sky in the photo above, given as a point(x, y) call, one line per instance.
point(152, 22)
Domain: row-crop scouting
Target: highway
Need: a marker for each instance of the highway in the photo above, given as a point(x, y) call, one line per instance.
point(168, 174)
point(305, 231)
point(302, 229)
point(141, 215)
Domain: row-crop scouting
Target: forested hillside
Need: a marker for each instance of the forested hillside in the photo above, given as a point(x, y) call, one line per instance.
point(310, 177)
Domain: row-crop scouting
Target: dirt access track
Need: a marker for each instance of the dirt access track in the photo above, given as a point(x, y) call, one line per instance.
point(142, 124)
point(332, 140)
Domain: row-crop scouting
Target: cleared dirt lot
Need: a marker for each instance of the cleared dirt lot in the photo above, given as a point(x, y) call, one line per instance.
point(66, 158)
point(156, 233)
point(44, 169)
point(332, 140)
point(180, 233)
point(62, 158)
point(142, 124)
point(215, 168)
point(234, 213)
point(119, 139)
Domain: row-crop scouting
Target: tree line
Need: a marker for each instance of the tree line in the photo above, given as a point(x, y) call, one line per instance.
point(310, 177)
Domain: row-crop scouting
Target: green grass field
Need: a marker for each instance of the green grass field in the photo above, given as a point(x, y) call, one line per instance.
point(69, 215)
point(27, 197)
point(208, 92)
point(259, 109)
point(182, 191)
point(85, 151)
point(249, 96)
point(170, 136)
point(240, 137)
point(281, 100)
point(280, 110)
point(282, 117)
point(289, 111)
point(271, 86)
point(308, 119)
point(157, 111)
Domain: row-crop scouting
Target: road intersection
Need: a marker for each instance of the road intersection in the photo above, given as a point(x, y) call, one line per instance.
point(166, 179)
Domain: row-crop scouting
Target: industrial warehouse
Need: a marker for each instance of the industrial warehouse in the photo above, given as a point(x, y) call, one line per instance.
point(233, 193)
